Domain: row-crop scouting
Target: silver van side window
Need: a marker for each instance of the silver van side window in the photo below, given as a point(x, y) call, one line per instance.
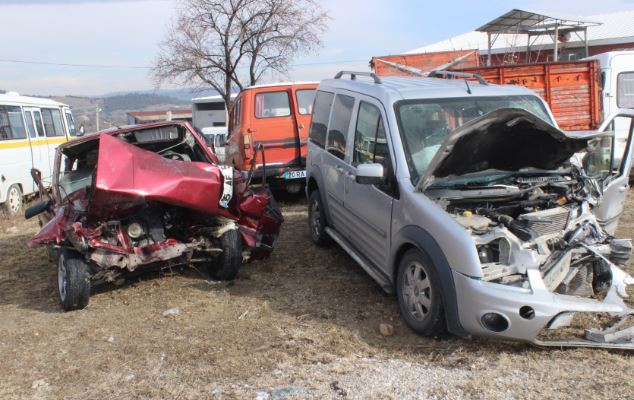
point(321, 113)
point(339, 125)
point(370, 143)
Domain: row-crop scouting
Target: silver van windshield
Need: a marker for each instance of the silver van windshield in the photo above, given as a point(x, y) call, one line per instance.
point(424, 124)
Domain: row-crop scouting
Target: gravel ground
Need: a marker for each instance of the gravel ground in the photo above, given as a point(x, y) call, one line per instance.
point(303, 324)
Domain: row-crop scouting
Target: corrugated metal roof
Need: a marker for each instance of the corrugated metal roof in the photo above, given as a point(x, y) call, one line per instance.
point(520, 21)
point(616, 28)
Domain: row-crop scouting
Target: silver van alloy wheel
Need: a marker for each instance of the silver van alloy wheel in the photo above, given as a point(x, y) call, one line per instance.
point(417, 291)
point(315, 218)
point(14, 199)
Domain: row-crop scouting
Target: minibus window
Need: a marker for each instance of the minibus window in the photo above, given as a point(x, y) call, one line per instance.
point(53, 122)
point(71, 124)
point(38, 123)
point(29, 124)
point(11, 123)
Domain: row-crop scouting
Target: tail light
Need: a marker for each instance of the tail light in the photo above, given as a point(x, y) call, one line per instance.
point(247, 142)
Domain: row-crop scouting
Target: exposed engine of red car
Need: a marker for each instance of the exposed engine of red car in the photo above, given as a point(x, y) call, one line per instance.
point(153, 195)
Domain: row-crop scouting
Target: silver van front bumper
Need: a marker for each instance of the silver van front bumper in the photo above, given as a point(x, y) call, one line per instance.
point(505, 312)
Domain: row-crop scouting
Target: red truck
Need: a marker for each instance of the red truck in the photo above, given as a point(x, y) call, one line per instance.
point(571, 89)
point(581, 94)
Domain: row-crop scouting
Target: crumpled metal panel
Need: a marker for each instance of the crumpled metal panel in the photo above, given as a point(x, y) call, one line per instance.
point(128, 176)
point(52, 231)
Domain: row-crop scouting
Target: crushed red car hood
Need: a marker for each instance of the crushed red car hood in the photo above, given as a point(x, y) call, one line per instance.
point(128, 176)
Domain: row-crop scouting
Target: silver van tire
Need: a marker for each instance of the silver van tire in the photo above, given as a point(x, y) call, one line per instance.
point(419, 294)
point(73, 281)
point(317, 220)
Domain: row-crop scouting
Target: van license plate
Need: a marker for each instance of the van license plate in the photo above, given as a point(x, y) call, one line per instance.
point(294, 174)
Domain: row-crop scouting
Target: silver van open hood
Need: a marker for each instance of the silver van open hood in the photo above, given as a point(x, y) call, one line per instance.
point(508, 139)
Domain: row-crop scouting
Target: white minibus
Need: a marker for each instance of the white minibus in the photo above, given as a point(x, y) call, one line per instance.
point(31, 128)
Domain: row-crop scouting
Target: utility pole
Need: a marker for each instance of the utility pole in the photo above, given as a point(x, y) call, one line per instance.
point(97, 110)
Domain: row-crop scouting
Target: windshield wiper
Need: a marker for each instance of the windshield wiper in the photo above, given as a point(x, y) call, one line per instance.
point(474, 184)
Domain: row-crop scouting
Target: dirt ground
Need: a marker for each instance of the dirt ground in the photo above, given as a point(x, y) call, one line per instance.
point(303, 324)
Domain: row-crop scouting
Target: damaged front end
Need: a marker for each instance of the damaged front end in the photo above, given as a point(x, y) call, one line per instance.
point(153, 196)
point(549, 271)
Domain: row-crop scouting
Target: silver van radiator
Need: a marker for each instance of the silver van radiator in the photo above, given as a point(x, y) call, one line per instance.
point(546, 222)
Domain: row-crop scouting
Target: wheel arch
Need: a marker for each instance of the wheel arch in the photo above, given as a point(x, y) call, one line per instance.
point(316, 182)
point(415, 237)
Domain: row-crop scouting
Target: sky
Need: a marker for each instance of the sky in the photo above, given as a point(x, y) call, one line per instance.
point(125, 33)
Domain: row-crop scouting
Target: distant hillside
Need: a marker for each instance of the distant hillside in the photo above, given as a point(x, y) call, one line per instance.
point(139, 101)
point(183, 94)
point(114, 108)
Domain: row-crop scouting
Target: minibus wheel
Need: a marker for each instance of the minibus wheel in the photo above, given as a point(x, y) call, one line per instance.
point(14, 202)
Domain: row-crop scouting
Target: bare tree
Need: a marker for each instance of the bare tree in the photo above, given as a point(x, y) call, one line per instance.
point(232, 43)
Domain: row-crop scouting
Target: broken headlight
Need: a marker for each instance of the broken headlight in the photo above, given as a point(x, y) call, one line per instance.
point(497, 251)
point(135, 230)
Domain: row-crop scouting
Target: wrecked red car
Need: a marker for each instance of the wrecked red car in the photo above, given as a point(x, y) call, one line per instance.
point(148, 196)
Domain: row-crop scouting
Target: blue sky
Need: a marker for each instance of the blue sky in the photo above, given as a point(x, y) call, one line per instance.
point(127, 32)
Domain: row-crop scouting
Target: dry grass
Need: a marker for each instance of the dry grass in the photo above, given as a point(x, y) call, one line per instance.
point(308, 317)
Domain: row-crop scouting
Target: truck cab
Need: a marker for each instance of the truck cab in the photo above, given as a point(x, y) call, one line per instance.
point(617, 84)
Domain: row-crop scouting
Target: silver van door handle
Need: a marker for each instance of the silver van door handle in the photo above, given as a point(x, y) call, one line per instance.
point(339, 169)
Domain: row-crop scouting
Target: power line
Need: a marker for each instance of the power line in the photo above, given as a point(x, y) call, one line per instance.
point(74, 65)
point(114, 66)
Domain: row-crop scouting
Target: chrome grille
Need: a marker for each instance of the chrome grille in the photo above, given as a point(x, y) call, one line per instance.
point(547, 222)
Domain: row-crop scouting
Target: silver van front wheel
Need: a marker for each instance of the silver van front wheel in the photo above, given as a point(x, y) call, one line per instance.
point(417, 290)
point(419, 296)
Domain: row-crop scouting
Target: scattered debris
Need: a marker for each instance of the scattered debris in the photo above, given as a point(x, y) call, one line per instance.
point(386, 329)
point(39, 384)
point(110, 339)
point(262, 395)
point(172, 311)
point(338, 390)
point(243, 315)
point(617, 333)
point(13, 229)
point(283, 393)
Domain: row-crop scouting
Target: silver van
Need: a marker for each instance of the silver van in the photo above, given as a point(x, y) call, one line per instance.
point(467, 201)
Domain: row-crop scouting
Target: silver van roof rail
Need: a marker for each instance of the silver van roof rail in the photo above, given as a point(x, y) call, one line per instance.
point(353, 75)
point(452, 74)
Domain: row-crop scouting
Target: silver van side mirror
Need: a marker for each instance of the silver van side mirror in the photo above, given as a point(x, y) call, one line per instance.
point(370, 174)
point(82, 130)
